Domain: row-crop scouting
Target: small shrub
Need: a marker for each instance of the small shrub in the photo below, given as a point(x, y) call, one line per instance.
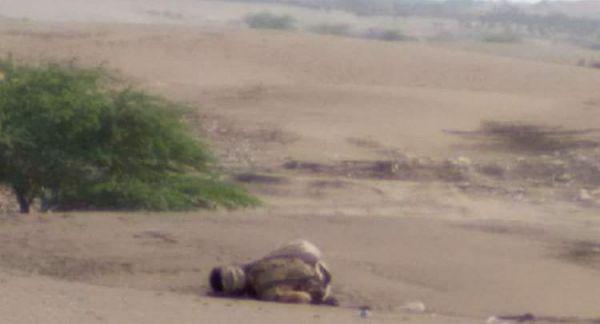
point(388, 35)
point(331, 29)
point(267, 20)
point(502, 37)
point(524, 137)
point(492, 170)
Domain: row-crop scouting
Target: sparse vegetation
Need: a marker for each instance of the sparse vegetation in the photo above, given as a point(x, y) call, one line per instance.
point(267, 20)
point(529, 138)
point(502, 37)
point(578, 30)
point(388, 35)
point(531, 21)
point(74, 141)
point(509, 16)
point(534, 138)
point(385, 7)
point(405, 169)
point(538, 155)
point(331, 29)
point(590, 63)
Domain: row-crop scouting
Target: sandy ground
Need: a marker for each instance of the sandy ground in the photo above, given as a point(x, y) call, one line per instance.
point(54, 302)
point(350, 144)
point(152, 267)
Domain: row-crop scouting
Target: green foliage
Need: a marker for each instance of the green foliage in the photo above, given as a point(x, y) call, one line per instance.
point(67, 137)
point(172, 192)
point(45, 114)
point(267, 20)
point(142, 136)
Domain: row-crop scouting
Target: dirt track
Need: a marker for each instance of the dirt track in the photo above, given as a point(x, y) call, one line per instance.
point(350, 144)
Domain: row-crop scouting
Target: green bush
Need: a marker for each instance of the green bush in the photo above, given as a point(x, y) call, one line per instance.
point(73, 140)
point(267, 20)
point(173, 192)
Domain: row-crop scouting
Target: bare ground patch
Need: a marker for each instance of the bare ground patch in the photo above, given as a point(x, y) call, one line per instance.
point(239, 147)
point(565, 161)
point(371, 145)
point(403, 169)
point(505, 229)
point(552, 162)
point(64, 267)
point(572, 175)
point(50, 35)
point(157, 236)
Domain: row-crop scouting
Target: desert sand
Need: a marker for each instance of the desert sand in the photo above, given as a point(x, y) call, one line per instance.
point(317, 127)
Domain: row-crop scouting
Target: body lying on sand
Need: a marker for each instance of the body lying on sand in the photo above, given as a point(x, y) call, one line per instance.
point(296, 273)
point(293, 273)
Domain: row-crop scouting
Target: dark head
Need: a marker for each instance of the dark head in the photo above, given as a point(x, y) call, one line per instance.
point(230, 280)
point(216, 281)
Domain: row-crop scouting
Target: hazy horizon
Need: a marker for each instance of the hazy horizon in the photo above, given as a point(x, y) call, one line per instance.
point(533, 1)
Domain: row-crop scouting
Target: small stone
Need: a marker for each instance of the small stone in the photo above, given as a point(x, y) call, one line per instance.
point(563, 178)
point(464, 162)
point(415, 307)
point(495, 320)
point(364, 312)
point(584, 195)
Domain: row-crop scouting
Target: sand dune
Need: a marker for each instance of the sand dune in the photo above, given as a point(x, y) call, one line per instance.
point(407, 92)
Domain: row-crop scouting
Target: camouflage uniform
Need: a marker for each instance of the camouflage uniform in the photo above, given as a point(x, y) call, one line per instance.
point(292, 274)
point(288, 279)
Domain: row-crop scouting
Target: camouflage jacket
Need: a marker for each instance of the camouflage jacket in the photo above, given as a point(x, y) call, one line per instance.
point(290, 275)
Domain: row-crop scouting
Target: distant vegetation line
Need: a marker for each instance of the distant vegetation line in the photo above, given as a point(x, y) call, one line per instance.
point(384, 7)
point(521, 20)
point(581, 30)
